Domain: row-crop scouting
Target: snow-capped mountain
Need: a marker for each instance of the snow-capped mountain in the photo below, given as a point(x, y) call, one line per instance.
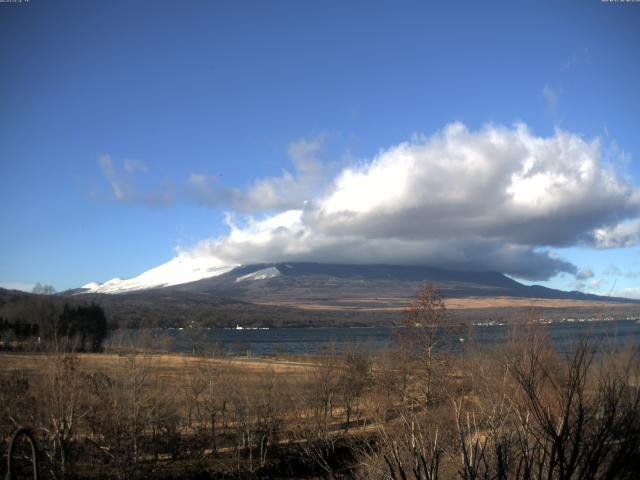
point(317, 284)
point(181, 269)
point(262, 274)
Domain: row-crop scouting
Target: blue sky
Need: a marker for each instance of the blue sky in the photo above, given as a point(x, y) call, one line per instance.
point(132, 132)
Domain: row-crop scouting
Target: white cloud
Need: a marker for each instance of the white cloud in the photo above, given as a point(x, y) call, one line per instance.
point(632, 292)
point(132, 166)
point(108, 170)
point(584, 274)
point(585, 281)
point(614, 271)
point(288, 191)
point(495, 199)
point(551, 97)
point(619, 235)
point(576, 59)
point(125, 189)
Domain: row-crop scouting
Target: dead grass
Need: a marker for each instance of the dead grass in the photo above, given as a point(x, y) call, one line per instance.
point(502, 302)
point(166, 366)
point(399, 305)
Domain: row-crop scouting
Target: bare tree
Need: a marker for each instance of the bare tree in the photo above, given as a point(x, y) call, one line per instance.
point(132, 415)
point(196, 333)
point(270, 403)
point(423, 317)
point(313, 432)
point(43, 289)
point(63, 407)
point(355, 377)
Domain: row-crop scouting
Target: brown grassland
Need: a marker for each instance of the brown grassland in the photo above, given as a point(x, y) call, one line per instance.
point(391, 304)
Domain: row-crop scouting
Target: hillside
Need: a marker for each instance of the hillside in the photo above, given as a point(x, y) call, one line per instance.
point(313, 294)
point(339, 286)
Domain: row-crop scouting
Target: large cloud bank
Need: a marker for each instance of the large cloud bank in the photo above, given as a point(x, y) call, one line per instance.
point(499, 198)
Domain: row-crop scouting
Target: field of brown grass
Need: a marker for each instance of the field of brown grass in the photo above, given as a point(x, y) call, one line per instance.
point(399, 304)
point(166, 366)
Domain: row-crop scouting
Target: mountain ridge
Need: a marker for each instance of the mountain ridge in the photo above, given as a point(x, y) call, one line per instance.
point(303, 294)
point(257, 282)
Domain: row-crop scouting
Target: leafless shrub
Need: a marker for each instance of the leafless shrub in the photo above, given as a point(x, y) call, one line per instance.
point(354, 379)
point(131, 415)
point(62, 407)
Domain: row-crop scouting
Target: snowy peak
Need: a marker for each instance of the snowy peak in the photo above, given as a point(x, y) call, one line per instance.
point(181, 269)
point(263, 274)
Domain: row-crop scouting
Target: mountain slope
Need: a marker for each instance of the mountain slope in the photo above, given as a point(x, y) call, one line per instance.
point(312, 294)
point(182, 269)
point(317, 285)
point(299, 280)
point(280, 294)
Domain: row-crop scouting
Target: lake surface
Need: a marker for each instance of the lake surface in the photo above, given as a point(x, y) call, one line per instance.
point(610, 333)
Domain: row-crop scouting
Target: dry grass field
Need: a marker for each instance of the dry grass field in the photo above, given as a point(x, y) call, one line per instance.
point(501, 302)
point(166, 366)
point(395, 304)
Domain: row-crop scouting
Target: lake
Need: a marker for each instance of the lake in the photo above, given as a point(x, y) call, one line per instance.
point(563, 334)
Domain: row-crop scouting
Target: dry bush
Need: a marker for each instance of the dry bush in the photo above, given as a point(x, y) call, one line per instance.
point(354, 380)
point(526, 412)
point(131, 417)
point(62, 407)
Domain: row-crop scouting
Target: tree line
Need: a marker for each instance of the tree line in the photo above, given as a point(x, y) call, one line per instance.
point(41, 325)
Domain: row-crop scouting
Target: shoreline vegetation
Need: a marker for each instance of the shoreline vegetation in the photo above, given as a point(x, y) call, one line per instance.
point(167, 309)
point(515, 410)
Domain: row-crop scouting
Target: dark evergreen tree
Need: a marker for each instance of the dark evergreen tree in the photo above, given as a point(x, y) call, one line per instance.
point(85, 325)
